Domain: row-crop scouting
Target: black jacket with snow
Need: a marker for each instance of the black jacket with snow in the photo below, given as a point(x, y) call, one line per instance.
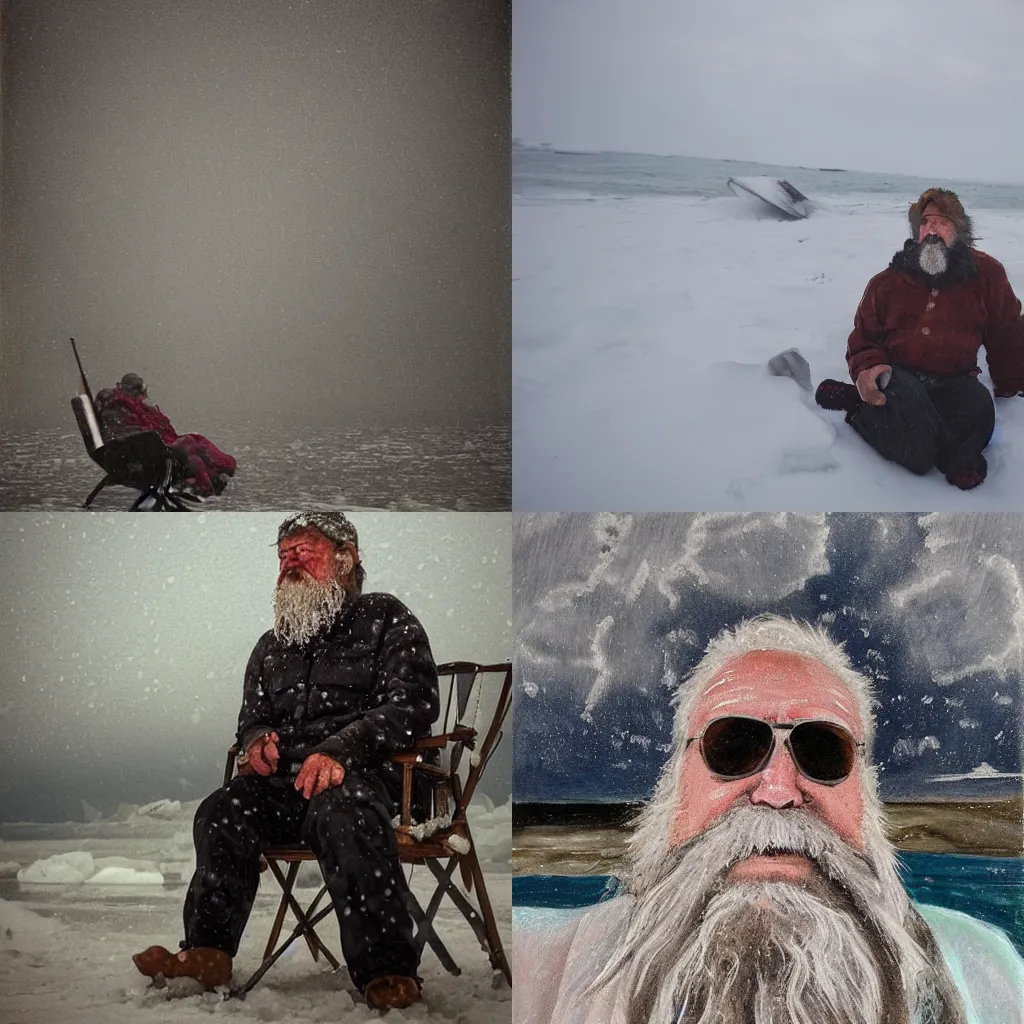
point(362, 690)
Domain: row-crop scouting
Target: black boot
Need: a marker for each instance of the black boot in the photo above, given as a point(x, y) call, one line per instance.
point(837, 395)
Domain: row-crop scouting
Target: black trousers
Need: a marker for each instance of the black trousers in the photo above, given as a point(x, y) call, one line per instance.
point(928, 420)
point(349, 829)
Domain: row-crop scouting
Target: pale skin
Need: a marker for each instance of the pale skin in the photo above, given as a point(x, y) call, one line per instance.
point(932, 223)
point(307, 554)
point(775, 686)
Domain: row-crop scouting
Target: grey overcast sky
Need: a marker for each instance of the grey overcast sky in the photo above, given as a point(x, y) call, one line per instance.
point(124, 640)
point(900, 86)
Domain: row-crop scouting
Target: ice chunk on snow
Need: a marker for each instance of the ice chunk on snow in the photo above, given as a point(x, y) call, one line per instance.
point(166, 809)
point(113, 875)
point(60, 869)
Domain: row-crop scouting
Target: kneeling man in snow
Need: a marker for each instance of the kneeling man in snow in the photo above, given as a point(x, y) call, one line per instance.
point(916, 335)
point(762, 887)
point(342, 682)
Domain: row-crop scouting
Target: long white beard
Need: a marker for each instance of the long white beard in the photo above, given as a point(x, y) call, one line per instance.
point(302, 608)
point(932, 258)
point(835, 951)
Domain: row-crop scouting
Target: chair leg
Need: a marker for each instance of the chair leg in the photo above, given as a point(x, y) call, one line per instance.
point(468, 911)
point(304, 926)
point(282, 909)
point(497, 952)
point(144, 496)
point(425, 934)
point(482, 922)
point(96, 490)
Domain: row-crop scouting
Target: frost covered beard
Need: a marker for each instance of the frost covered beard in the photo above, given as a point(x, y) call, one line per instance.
point(932, 256)
point(303, 607)
point(841, 948)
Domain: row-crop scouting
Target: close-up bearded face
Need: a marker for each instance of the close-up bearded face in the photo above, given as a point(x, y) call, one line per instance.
point(764, 896)
point(311, 586)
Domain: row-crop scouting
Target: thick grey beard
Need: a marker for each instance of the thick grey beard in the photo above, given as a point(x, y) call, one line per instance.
point(839, 950)
point(772, 952)
point(303, 608)
point(932, 258)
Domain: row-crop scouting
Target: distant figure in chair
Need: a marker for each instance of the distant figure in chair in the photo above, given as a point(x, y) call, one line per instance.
point(123, 410)
point(913, 352)
point(342, 682)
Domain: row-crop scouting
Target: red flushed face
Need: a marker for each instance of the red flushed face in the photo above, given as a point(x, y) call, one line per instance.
point(933, 222)
point(306, 554)
point(777, 687)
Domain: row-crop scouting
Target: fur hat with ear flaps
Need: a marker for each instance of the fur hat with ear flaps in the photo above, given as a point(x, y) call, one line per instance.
point(949, 205)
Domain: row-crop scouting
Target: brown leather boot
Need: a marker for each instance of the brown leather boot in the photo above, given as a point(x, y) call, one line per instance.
point(392, 992)
point(211, 967)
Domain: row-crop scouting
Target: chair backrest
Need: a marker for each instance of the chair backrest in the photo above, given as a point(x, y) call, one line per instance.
point(475, 701)
point(88, 424)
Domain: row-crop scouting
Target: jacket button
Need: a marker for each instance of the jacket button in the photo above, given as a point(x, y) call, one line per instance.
point(924, 330)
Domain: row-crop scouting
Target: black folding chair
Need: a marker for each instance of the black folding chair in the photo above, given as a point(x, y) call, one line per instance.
point(438, 783)
point(140, 461)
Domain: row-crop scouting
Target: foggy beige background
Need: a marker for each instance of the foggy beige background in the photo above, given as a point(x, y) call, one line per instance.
point(287, 210)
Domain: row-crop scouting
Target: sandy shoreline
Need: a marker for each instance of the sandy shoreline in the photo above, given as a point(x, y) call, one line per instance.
point(989, 828)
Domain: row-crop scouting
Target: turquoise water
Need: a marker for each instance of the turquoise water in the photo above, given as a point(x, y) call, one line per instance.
point(989, 888)
point(550, 173)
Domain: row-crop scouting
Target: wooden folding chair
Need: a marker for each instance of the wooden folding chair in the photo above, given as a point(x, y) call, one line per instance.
point(438, 783)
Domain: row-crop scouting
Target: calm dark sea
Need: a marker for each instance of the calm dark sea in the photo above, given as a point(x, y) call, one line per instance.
point(550, 173)
point(989, 888)
point(465, 469)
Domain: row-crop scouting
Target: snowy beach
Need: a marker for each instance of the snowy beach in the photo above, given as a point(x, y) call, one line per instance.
point(115, 886)
point(642, 326)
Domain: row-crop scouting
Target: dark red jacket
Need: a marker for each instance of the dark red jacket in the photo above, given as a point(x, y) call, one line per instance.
point(903, 322)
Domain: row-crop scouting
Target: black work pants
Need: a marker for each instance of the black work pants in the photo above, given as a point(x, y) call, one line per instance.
point(349, 829)
point(928, 420)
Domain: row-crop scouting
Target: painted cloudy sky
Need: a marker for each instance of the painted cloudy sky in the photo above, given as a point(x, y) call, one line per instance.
point(611, 611)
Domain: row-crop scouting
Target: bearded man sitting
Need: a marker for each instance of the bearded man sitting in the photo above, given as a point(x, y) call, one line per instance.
point(124, 410)
point(914, 348)
point(762, 888)
point(343, 681)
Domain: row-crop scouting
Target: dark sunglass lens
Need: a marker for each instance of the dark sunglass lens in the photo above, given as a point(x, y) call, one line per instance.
point(823, 752)
point(736, 746)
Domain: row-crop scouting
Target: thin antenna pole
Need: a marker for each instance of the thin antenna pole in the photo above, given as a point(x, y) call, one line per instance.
point(82, 379)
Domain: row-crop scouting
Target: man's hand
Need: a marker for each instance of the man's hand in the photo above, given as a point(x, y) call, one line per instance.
point(867, 384)
point(318, 772)
point(262, 754)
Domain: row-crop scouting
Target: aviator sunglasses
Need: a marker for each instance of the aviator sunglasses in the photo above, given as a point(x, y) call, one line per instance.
point(735, 747)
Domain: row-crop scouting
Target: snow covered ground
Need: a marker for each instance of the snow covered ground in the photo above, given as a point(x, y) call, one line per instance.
point(642, 328)
point(114, 887)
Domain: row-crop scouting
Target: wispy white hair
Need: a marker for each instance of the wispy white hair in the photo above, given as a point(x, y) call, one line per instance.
point(649, 843)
